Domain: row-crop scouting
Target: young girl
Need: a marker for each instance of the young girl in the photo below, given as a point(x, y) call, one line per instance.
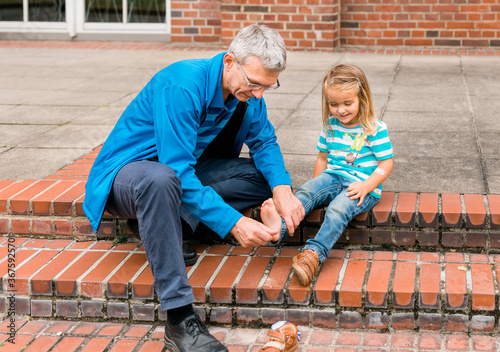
point(355, 157)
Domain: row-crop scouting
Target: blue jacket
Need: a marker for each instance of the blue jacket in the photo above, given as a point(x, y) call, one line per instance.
point(162, 122)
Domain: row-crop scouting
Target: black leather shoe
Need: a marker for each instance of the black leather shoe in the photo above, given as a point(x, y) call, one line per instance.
point(191, 335)
point(188, 253)
point(190, 256)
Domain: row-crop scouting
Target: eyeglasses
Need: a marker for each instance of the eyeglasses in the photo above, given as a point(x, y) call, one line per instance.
point(252, 86)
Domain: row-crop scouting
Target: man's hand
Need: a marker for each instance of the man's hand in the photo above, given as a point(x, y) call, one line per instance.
point(288, 206)
point(251, 233)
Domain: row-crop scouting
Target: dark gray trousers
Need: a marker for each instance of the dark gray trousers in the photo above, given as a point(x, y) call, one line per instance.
point(151, 193)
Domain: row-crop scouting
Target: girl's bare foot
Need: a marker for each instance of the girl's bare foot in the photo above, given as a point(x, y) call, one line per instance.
point(270, 216)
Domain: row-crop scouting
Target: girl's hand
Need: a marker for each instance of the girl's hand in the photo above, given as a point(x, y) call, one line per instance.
point(358, 190)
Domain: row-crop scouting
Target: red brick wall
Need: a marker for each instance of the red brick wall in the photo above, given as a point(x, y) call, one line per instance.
point(326, 24)
point(304, 24)
point(420, 22)
point(196, 21)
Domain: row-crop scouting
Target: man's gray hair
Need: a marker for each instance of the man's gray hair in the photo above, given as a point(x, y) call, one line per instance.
point(262, 42)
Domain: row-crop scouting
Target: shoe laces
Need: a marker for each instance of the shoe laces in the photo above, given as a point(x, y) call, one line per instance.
point(195, 326)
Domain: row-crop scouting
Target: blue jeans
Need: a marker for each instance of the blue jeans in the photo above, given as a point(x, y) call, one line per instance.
point(151, 193)
point(329, 189)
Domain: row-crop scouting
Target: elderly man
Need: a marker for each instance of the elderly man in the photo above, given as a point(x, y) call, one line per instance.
point(174, 154)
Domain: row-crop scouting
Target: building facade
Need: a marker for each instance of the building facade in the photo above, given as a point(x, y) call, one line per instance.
point(304, 24)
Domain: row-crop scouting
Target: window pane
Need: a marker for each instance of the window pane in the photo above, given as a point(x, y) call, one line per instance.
point(47, 10)
point(103, 10)
point(11, 10)
point(143, 11)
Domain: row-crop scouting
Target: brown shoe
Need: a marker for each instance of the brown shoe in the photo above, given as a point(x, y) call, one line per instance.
point(284, 338)
point(306, 265)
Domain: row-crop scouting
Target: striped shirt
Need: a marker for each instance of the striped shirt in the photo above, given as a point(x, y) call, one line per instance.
point(354, 154)
point(214, 122)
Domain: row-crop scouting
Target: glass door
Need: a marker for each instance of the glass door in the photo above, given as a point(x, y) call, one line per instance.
point(85, 16)
point(33, 10)
point(139, 16)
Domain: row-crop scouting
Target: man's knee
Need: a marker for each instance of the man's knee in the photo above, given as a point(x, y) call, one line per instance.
point(159, 180)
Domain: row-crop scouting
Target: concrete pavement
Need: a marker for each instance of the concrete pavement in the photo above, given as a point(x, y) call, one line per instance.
point(57, 104)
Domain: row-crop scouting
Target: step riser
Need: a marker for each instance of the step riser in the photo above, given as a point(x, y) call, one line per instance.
point(233, 285)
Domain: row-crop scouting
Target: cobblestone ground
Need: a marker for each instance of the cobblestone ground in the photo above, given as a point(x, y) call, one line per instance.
point(81, 336)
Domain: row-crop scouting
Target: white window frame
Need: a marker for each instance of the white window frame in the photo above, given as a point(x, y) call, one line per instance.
point(75, 23)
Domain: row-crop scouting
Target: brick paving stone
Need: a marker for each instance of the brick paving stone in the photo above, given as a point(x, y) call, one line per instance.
point(246, 288)
point(377, 285)
point(404, 285)
point(63, 205)
point(452, 210)
point(350, 294)
point(483, 290)
point(20, 203)
point(42, 204)
point(124, 346)
point(96, 344)
point(430, 280)
point(118, 282)
point(201, 276)
point(324, 290)
point(273, 286)
point(405, 209)
point(475, 210)
point(494, 205)
point(42, 344)
point(28, 269)
point(383, 209)
point(456, 286)
point(142, 286)
point(152, 346)
point(428, 210)
point(138, 338)
point(41, 282)
point(221, 289)
point(66, 284)
point(92, 284)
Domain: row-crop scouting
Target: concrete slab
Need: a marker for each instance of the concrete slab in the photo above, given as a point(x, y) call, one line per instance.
point(430, 122)
point(45, 114)
point(493, 174)
point(12, 135)
point(36, 163)
point(439, 108)
point(275, 100)
point(300, 167)
point(434, 145)
point(436, 175)
point(104, 115)
point(490, 144)
point(279, 117)
point(303, 143)
point(304, 120)
point(70, 136)
point(409, 99)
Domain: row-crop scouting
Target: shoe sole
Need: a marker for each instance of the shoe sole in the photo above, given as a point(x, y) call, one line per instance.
point(170, 345)
point(190, 262)
point(301, 275)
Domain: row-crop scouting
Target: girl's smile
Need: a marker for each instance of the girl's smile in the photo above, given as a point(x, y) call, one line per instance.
point(344, 105)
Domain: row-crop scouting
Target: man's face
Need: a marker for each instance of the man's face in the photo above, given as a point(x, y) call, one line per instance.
point(234, 82)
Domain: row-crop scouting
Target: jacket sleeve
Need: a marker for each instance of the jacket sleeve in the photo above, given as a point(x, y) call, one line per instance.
point(264, 149)
point(177, 112)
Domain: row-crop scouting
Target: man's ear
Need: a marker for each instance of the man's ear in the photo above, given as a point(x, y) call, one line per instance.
point(228, 60)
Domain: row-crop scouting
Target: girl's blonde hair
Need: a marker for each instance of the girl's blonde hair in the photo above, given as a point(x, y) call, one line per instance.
point(346, 78)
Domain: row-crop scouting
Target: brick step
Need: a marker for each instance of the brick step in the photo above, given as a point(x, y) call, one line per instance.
point(52, 208)
point(232, 285)
point(40, 335)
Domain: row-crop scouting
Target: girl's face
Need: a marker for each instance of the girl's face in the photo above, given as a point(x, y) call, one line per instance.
point(344, 105)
